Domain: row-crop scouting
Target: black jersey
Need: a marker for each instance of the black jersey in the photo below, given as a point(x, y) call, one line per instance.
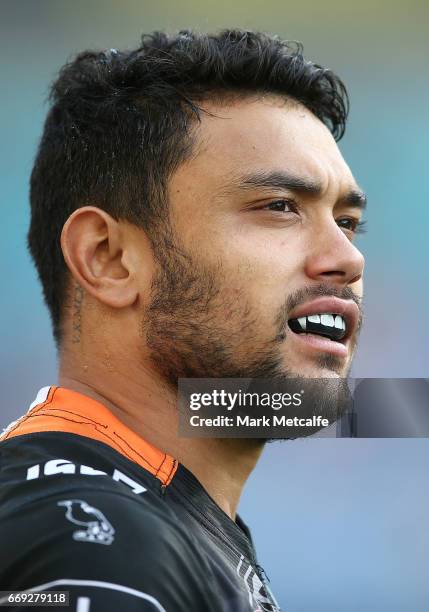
point(89, 507)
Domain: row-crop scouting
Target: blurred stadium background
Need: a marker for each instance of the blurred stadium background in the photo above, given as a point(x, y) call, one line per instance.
point(340, 525)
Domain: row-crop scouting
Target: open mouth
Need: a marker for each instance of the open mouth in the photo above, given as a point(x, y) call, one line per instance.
point(328, 325)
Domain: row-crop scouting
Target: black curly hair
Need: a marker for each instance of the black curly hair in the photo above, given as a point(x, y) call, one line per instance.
point(120, 124)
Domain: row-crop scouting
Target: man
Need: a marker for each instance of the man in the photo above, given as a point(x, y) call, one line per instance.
point(189, 206)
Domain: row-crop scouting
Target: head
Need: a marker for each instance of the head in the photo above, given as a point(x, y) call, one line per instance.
point(188, 198)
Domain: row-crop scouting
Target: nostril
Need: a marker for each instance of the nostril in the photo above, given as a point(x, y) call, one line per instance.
point(355, 279)
point(332, 273)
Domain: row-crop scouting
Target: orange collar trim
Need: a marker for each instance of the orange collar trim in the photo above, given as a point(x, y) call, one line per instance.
point(60, 409)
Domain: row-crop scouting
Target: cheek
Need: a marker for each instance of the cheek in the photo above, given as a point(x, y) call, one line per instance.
point(358, 288)
point(267, 262)
point(262, 272)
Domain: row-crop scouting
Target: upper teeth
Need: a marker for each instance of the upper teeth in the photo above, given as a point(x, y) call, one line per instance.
point(331, 320)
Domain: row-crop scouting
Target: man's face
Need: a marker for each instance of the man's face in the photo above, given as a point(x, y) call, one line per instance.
point(262, 223)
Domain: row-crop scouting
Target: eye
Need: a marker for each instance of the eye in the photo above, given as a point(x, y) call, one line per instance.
point(283, 205)
point(352, 224)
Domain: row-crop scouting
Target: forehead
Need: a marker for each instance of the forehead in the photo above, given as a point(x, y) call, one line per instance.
point(266, 133)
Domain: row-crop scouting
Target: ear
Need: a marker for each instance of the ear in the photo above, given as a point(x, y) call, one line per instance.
point(95, 252)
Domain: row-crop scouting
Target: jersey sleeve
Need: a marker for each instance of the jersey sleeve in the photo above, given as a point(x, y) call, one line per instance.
point(109, 552)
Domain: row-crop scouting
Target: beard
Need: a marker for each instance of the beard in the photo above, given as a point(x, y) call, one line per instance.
point(198, 325)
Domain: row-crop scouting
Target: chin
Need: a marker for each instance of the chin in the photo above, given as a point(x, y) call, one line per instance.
point(307, 370)
point(319, 373)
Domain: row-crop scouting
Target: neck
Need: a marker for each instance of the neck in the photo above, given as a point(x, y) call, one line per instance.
point(148, 407)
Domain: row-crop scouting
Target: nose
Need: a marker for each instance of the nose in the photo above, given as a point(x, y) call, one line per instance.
point(334, 258)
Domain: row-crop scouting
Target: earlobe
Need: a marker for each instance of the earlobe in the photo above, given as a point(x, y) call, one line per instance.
point(94, 251)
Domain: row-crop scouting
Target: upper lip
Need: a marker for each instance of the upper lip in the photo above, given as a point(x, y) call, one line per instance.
point(346, 308)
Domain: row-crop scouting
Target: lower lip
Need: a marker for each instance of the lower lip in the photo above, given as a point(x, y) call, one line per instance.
point(319, 343)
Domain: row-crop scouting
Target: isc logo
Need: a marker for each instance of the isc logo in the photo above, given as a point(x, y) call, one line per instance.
point(62, 466)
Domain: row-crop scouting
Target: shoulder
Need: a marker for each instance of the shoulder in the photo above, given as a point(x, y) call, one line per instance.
point(105, 543)
point(68, 482)
point(98, 514)
point(92, 519)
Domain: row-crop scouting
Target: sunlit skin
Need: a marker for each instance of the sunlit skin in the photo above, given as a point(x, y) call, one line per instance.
point(263, 244)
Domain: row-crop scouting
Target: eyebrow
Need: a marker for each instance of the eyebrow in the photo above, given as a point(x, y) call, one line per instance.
point(283, 180)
